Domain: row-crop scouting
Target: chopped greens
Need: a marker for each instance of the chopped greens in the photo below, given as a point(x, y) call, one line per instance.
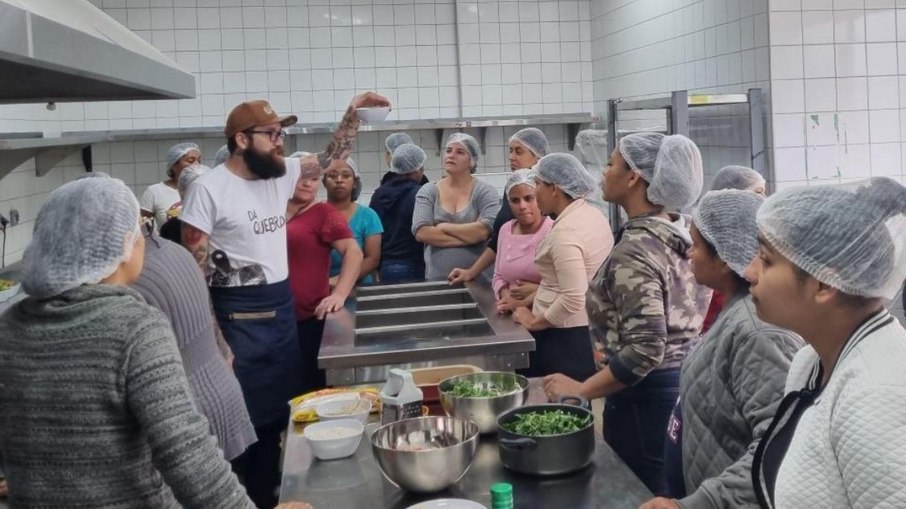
point(551, 422)
point(466, 389)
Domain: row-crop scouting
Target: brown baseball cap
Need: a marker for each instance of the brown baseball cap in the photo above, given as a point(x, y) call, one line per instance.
point(254, 113)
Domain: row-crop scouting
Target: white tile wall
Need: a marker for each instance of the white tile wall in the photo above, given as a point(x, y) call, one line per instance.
point(310, 57)
point(846, 97)
point(643, 48)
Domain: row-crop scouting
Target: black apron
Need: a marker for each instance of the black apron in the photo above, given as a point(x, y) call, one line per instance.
point(259, 324)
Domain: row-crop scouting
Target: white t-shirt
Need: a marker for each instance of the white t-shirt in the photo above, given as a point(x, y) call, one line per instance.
point(246, 223)
point(162, 201)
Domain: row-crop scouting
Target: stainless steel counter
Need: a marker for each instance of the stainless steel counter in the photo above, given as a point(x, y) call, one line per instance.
point(357, 482)
point(383, 327)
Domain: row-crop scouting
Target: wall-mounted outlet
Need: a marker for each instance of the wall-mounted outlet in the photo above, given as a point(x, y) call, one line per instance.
point(13, 217)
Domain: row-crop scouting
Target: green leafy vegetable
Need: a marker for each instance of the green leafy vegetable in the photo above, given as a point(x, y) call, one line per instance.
point(466, 389)
point(550, 422)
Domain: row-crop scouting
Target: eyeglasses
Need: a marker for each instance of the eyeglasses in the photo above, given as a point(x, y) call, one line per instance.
point(272, 135)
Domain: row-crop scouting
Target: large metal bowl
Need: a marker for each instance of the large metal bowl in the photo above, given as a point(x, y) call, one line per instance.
point(484, 411)
point(426, 454)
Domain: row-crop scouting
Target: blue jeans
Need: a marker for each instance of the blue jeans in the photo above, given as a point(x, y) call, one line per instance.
point(400, 271)
point(635, 423)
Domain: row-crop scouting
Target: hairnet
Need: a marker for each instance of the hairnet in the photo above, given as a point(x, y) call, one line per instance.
point(523, 176)
point(85, 229)
point(737, 177)
point(567, 173)
point(672, 166)
point(188, 176)
point(176, 152)
point(851, 237)
point(395, 140)
point(408, 158)
point(640, 150)
point(469, 142)
point(223, 153)
point(726, 219)
point(532, 139)
point(592, 144)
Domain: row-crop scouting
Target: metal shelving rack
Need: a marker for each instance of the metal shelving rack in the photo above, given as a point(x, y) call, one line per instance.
point(677, 105)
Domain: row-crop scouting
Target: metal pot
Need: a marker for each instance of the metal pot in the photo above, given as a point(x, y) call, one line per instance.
point(551, 454)
point(484, 411)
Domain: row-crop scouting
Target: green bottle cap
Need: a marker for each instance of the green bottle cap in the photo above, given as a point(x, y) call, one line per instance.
point(502, 496)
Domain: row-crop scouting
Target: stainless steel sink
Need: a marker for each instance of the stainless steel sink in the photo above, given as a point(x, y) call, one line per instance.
point(453, 329)
point(365, 319)
point(413, 299)
point(418, 325)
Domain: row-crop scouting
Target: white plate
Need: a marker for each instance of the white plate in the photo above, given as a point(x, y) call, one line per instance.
point(448, 503)
point(313, 402)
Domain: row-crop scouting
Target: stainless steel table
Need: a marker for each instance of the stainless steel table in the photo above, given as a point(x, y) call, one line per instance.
point(357, 482)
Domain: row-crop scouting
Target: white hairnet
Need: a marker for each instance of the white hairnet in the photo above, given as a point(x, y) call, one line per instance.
point(408, 158)
point(469, 142)
point(223, 153)
point(395, 140)
point(567, 173)
point(176, 152)
point(851, 237)
point(85, 229)
point(672, 166)
point(188, 176)
point(592, 144)
point(532, 139)
point(524, 176)
point(726, 219)
point(738, 177)
point(299, 154)
point(640, 150)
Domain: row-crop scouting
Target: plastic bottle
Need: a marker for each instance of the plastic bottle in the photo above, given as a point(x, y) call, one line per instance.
point(400, 397)
point(502, 496)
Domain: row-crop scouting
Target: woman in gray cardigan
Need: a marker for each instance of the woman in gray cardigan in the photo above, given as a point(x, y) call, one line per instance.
point(96, 410)
point(732, 381)
point(171, 282)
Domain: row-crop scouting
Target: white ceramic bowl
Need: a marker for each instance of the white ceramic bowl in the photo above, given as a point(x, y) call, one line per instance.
point(373, 115)
point(335, 410)
point(332, 440)
point(10, 292)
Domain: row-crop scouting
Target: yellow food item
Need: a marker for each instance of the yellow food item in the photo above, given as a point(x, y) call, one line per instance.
point(302, 413)
point(6, 284)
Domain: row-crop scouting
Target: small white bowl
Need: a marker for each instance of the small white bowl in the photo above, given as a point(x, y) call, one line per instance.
point(10, 292)
point(332, 440)
point(336, 410)
point(373, 115)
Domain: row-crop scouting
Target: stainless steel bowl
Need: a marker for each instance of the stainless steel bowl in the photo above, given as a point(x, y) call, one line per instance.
point(484, 411)
point(426, 454)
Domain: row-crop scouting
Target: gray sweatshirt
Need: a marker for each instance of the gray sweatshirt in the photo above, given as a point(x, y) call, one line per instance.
point(95, 410)
point(730, 386)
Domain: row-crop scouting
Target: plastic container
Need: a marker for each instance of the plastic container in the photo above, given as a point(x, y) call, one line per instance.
point(373, 115)
point(335, 410)
point(502, 496)
point(427, 379)
point(400, 398)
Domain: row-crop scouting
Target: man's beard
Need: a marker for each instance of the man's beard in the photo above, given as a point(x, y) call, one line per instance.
point(264, 166)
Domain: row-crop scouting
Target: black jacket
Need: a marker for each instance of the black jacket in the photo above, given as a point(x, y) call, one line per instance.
point(394, 202)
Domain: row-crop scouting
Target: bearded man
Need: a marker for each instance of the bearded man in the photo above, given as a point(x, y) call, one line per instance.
point(234, 225)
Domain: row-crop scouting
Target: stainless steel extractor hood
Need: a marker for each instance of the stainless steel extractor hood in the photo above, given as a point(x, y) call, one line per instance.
point(69, 50)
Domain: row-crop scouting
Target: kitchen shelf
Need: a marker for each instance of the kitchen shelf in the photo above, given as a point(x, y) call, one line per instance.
point(17, 148)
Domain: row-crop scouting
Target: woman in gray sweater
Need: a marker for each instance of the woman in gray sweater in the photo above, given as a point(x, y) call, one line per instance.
point(732, 381)
point(171, 282)
point(96, 410)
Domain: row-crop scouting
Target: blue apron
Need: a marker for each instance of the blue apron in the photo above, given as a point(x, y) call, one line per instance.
point(259, 324)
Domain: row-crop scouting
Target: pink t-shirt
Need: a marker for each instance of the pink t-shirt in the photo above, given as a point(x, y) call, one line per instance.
point(516, 255)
